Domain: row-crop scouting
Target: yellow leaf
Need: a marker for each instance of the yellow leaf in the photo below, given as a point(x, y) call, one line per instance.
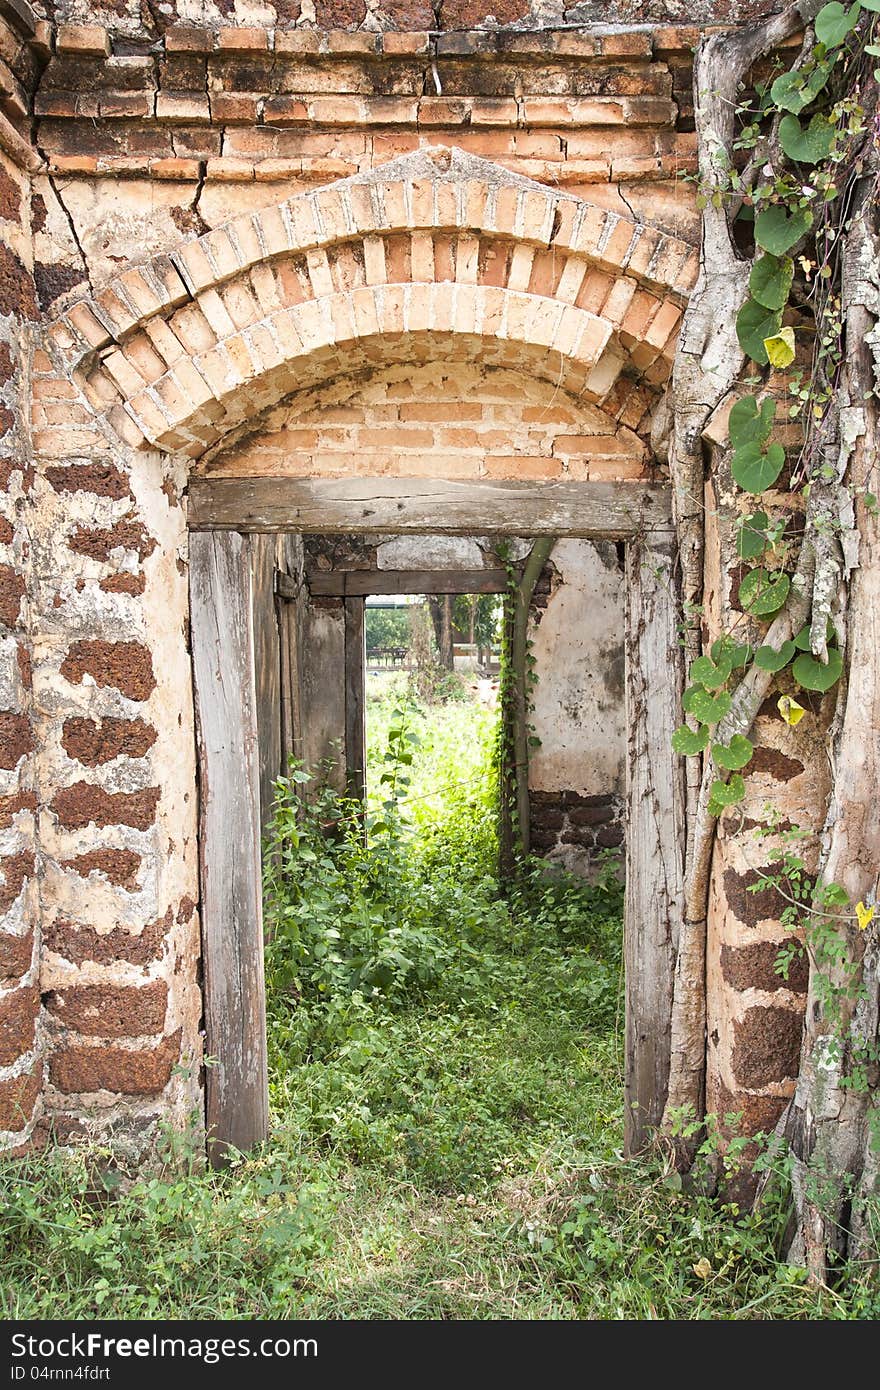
point(790, 710)
point(702, 1268)
point(780, 348)
point(865, 915)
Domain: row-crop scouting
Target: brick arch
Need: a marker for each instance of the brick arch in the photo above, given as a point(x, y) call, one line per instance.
point(180, 350)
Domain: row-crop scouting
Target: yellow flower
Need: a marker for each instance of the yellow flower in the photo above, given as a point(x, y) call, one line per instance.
point(703, 1268)
point(865, 915)
point(790, 710)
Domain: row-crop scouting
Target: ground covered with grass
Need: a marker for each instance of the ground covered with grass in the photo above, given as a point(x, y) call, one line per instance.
point(446, 1062)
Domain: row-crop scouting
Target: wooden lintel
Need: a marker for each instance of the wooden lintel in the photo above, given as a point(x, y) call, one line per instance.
point(609, 511)
point(359, 583)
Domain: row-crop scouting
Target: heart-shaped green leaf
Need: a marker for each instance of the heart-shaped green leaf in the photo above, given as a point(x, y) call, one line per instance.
point(705, 707)
point(810, 674)
point(769, 659)
point(802, 639)
point(754, 323)
point(763, 592)
point(689, 742)
point(806, 144)
point(833, 23)
point(737, 653)
point(705, 672)
point(755, 470)
point(776, 231)
point(749, 423)
point(751, 538)
point(770, 281)
point(725, 794)
point(780, 348)
point(733, 755)
point(795, 90)
point(872, 5)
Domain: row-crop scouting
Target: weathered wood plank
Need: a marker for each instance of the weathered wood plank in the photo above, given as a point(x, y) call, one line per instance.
point(444, 507)
point(355, 699)
point(267, 664)
point(229, 842)
point(352, 583)
point(655, 834)
point(291, 607)
point(322, 664)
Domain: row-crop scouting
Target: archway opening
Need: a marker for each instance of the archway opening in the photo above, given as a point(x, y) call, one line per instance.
point(444, 1004)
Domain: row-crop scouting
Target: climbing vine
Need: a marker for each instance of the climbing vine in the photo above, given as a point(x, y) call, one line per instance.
point(806, 134)
point(789, 285)
point(516, 735)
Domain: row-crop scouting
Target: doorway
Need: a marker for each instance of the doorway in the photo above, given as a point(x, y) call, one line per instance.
point(236, 521)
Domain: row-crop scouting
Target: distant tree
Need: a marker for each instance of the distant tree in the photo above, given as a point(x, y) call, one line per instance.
point(478, 615)
point(386, 627)
point(440, 607)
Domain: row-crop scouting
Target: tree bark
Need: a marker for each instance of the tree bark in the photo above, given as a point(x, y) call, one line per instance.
point(828, 1124)
point(441, 617)
point(708, 364)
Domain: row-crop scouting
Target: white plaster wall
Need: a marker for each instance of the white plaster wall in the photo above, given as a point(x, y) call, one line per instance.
point(578, 709)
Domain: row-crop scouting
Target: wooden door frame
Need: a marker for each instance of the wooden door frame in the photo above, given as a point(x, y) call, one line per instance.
point(223, 513)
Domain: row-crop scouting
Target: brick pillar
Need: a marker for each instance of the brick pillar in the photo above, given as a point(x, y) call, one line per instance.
point(116, 763)
point(20, 1060)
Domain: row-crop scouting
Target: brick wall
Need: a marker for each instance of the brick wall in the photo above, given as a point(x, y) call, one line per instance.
point(448, 418)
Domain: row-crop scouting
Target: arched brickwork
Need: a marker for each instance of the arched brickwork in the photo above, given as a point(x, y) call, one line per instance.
point(177, 352)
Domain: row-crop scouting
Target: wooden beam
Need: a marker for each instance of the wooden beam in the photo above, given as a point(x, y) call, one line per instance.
point(606, 511)
point(654, 834)
point(362, 582)
point(355, 699)
point(229, 843)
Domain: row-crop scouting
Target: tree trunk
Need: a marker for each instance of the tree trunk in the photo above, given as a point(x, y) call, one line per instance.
point(441, 616)
point(829, 1122)
point(708, 363)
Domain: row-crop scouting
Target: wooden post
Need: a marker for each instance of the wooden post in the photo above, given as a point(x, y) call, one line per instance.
point(355, 699)
point(655, 832)
point(267, 665)
point(538, 557)
point(507, 769)
point(237, 1112)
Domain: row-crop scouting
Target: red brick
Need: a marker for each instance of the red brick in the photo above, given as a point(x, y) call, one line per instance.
point(12, 588)
point(92, 742)
point(144, 1072)
point(18, 1096)
point(184, 38)
point(16, 739)
point(119, 866)
point(243, 39)
point(77, 943)
point(16, 870)
point(88, 40)
point(111, 1011)
point(16, 955)
point(85, 804)
point(127, 666)
point(18, 1017)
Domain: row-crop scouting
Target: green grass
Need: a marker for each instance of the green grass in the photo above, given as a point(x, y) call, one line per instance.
point(446, 1089)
